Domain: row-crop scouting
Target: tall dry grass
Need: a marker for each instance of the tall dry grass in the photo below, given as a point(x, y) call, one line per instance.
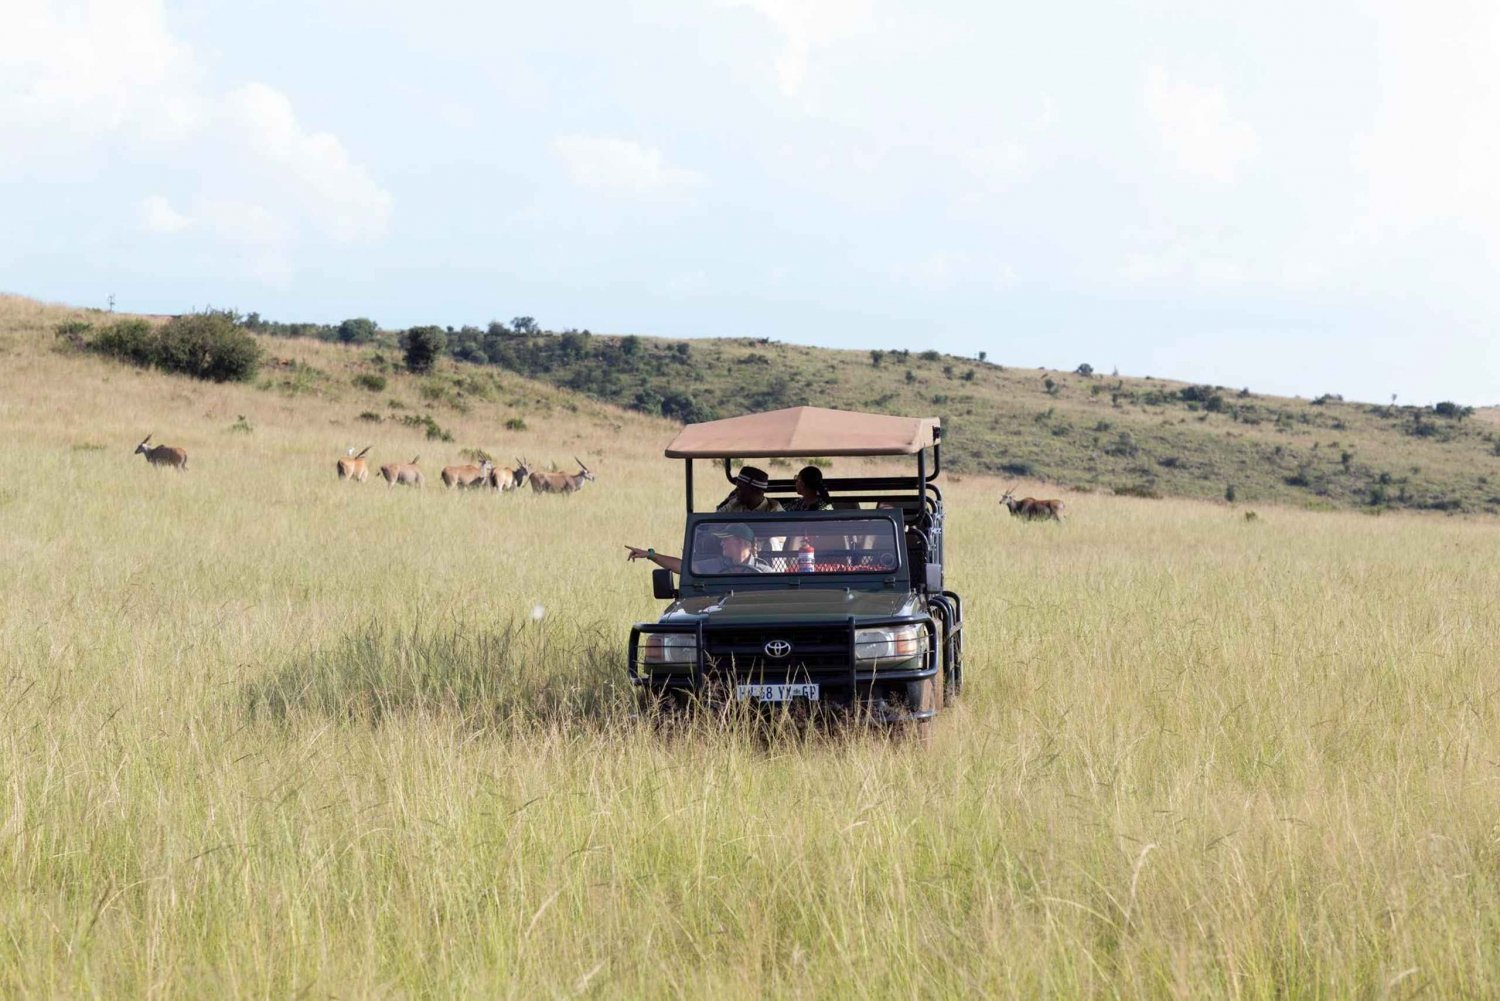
point(270, 734)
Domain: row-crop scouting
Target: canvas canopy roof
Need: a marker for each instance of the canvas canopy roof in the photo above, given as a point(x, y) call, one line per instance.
point(799, 431)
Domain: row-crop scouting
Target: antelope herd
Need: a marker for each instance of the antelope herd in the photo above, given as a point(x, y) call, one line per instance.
point(352, 466)
point(484, 475)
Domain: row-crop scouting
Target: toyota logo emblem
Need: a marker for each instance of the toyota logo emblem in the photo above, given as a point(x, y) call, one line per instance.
point(778, 649)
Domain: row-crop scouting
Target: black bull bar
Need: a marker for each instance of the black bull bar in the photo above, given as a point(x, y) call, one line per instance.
point(853, 675)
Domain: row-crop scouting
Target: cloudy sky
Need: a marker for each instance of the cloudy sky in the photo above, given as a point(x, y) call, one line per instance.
point(1301, 198)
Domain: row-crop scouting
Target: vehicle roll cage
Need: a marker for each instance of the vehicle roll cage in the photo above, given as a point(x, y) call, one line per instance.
point(868, 489)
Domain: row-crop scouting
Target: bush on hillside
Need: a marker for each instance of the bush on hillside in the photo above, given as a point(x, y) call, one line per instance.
point(206, 345)
point(422, 345)
point(358, 330)
point(1451, 410)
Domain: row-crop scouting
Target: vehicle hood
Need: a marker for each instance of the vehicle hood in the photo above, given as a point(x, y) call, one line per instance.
point(803, 605)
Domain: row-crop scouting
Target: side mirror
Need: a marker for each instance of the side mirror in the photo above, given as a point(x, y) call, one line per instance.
point(935, 578)
point(661, 585)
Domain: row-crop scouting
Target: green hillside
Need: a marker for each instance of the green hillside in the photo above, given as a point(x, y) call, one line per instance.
point(1083, 430)
point(1090, 431)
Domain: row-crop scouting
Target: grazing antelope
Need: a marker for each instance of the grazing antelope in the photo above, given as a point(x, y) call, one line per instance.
point(504, 478)
point(352, 467)
point(405, 473)
point(562, 483)
point(1030, 508)
point(162, 455)
point(468, 475)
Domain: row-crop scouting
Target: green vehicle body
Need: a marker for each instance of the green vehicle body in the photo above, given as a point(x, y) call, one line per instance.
point(880, 637)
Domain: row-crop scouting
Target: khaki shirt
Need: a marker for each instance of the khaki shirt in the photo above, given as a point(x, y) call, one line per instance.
point(733, 504)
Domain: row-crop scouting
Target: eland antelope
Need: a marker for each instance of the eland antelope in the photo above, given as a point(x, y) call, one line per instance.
point(1032, 509)
point(353, 467)
point(504, 478)
point(162, 455)
point(468, 475)
point(405, 473)
point(562, 483)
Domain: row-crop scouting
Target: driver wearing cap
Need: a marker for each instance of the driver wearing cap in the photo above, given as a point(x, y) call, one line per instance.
point(736, 553)
point(750, 485)
point(737, 545)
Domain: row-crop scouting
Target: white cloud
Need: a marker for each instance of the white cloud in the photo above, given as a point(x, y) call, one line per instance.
point(344, 200)
point(1196, 127)
point(805, 25)
point(158, 216)
point(620, 167)
point(103, 66)
point(107, 81)
point(1432, 157)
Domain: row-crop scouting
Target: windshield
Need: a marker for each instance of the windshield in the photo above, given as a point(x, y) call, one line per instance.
point(794, 545)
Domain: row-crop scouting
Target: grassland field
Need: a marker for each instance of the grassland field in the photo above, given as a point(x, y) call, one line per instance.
point(269, 734)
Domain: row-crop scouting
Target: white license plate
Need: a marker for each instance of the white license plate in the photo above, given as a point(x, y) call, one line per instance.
point(776, 693)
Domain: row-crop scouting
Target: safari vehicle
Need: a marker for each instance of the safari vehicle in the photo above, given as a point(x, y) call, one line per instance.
point(848, 609)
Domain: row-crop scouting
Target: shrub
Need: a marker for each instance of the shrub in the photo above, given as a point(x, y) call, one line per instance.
point(359, 330)
point(1451, 410)
point(204, 345)
point(1051, 386)
point(128, 340)
point(368, 380)
point(1229, 493)
point(515, 424)
point(422, 346)
point(1086, 370)
point(370, 417)
point(876, 357)
point(208, 345)
point(930, 355)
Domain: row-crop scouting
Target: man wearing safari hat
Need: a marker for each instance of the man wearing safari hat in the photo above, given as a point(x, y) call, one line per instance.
point(749, 494)
point(737, 548)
